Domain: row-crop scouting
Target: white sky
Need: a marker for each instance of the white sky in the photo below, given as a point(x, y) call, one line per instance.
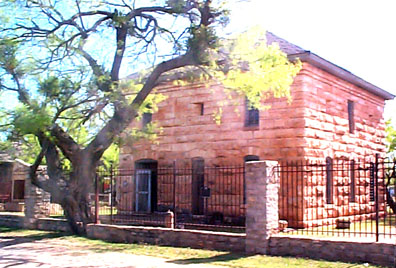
point(358, 35)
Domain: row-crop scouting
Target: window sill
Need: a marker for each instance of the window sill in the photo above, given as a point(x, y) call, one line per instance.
point(251, 128)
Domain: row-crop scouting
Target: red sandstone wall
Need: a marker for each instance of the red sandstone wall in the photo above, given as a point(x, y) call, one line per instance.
point(326, 119)
point(187, 134)
point(313, 126)
point(327, 134)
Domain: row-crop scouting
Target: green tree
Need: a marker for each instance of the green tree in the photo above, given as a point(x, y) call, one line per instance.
point(390, 137)
point(64, 62)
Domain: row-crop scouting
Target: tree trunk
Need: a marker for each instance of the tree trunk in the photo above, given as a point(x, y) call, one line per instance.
point(78, 213)
point(76, 202)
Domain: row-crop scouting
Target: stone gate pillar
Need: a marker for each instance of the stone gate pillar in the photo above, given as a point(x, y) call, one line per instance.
point(37, 204)
point(262, 217)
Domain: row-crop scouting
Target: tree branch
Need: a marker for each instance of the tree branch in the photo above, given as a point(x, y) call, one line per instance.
point(125, 114)
point(65, 142)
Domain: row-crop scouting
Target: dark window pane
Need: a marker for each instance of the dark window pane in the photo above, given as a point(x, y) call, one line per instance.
point(353, 182)
point(329, 180)
point(372, 182)
point(147, 117)
point(252, 115)
point(19, 189)
point(351, 116)
point(249, 158)
point(198, 179)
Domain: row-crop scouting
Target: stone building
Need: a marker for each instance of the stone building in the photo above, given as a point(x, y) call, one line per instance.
point(12, 184)
point(333, 114)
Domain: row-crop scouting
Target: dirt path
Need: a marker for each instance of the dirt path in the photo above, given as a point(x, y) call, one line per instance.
point(18, 252)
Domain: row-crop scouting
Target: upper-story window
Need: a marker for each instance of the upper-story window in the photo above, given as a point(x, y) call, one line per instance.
point(252, 115)
point(351, 116)
point(200, 108)
point(147, 117)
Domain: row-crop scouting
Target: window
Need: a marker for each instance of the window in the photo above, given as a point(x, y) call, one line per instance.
point(329, 180)
point(250, 158)
point(198, 179)
point(351, 116)
point(200, 108)
point(353, 181)
point(147, 117)
point(372, 182)
point(143, 191)
point(251, 115)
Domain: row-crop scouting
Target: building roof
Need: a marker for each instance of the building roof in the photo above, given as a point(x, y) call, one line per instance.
point(296, 52)
point(284, 45)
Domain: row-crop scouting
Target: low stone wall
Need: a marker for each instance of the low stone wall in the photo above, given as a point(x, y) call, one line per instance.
point(333, 250)
point(12, 221)
point(48, 224)
point(44, 224)
point(169, 237)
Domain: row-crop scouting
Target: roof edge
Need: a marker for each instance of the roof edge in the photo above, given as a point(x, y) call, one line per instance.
point(339, 72)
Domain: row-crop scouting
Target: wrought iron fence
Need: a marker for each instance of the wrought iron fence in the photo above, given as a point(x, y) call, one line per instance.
point(207, 198)
point(338, 198)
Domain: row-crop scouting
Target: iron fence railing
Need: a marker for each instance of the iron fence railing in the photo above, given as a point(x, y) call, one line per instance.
point(338, 198)
point(210, 198)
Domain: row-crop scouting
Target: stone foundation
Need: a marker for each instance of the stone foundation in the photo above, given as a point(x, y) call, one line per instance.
point(14, 221)
point(349, 251)
point(14, 206)
point(169, 237)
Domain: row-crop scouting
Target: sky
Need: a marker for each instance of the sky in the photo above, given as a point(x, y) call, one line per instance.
point(357, 35)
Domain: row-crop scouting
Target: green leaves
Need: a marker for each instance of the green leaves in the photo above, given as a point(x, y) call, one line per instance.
point(177, 5)
point(259, 71)
point(31, 121)
point(249, 68)
point(50, 87)
point(390, 137)
point(8, 59)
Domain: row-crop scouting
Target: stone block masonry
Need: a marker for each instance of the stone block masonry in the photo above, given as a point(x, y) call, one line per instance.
point(314, 125)
point(37, 204)
point(169, 237)
point(383, 254)
point(262, 218)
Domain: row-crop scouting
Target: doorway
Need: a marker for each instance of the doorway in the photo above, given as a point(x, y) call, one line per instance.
point(146, 185)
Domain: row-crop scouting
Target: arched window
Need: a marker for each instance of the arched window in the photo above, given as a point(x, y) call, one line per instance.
point(250, 158)
point(353, 181)
point(198, 179)
point(329, 180)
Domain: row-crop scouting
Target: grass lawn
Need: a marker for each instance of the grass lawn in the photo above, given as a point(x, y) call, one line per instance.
point(358, 230)
point(176, 255)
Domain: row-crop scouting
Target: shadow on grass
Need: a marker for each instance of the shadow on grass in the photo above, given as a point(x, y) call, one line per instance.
point(4, 229)
point(218, 258)
point(12, 239)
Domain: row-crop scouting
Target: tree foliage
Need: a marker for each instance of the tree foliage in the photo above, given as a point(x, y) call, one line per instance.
point(64, 61)
point(390, 138)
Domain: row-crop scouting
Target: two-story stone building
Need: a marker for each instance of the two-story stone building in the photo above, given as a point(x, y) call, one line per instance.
point(333, 114)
